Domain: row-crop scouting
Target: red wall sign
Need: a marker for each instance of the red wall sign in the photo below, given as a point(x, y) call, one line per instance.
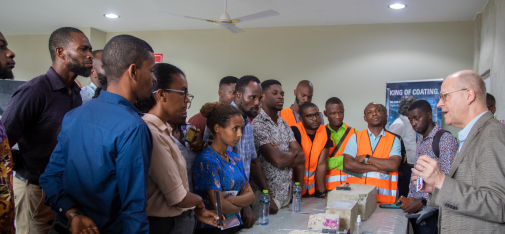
point(158, 58)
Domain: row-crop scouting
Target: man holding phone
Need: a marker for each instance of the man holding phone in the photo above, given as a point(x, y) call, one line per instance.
point(430, 135)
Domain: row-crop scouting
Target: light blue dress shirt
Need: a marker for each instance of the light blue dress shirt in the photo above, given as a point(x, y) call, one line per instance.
point(352, 145)
point(88, 92)
point(464, 133)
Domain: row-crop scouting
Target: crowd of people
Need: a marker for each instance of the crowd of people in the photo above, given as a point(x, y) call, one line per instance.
point(120, 156)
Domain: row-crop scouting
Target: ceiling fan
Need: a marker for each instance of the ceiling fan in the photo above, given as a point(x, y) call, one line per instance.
point(226, 22)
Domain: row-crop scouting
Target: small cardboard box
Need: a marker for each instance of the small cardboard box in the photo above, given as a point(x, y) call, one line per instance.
point(348, 212)
point(323, 221)
point(365, 195)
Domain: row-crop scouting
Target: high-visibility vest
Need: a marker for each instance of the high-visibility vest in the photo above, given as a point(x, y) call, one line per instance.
point(288, 116)
point(336, 177)
point(387, 184)
point(312, 151)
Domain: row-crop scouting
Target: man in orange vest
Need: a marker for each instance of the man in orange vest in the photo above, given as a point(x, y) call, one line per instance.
point(340, 134)
point(303, 94)
point(315, 140)
point(375, 153)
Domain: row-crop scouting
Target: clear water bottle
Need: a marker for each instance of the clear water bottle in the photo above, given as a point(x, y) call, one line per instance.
point(297, 198)
point(358, 228)
point(264, 208)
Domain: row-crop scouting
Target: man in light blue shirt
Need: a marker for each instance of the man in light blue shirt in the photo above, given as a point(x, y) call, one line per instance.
point(377, 157)
point(97, 77)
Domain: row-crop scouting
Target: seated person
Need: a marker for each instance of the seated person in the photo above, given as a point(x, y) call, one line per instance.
point(340, 135)
point(375, 153)
point(172, 206)
point(315, 140)
point(218, 169)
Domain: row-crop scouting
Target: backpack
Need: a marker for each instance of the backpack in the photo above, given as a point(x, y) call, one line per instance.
point(436, 142)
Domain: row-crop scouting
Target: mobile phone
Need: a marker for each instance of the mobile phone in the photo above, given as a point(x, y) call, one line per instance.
point(191, 135)
point(402, 201)
point(217, 204)
point(389, 206)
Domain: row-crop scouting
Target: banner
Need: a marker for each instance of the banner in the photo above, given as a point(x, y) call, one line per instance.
point(428, 90)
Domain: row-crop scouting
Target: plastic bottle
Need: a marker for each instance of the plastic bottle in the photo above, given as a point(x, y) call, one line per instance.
point(358, 227)
point(297, 198)
point(264, 208)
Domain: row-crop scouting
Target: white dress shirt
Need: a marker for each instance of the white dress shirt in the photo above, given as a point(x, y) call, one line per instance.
point(401, 126)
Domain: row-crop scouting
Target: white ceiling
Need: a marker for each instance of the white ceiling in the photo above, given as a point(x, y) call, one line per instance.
point(20, 17)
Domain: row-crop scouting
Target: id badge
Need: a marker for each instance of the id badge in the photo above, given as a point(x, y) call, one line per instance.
point(419, 184)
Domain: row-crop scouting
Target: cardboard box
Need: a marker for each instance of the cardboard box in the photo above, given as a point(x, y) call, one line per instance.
point(364, 195)
point(323, 221)
point(348, 212)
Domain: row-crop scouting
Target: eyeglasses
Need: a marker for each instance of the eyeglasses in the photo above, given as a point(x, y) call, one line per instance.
point(443, 96)
point(312, 116)
point(186, 95)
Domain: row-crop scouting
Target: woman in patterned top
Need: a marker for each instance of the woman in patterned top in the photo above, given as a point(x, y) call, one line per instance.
point(217, 169)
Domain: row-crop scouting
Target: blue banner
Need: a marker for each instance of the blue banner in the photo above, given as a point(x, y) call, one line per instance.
point(428, 90)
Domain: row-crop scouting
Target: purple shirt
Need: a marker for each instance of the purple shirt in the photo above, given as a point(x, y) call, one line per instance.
point(34, 115)
point(448, 149)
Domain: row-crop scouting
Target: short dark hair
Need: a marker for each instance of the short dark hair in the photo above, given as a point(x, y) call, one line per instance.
point(164, 74)
point(405, 102)
point(60, 39)
point(227, 80)
point(94, 52)
point(265, 85)
point(422, 105)
point(490, 97)
point(218, 113)
point(122, 51)
point(305, 106)
point(244, 81)
point(334, 100)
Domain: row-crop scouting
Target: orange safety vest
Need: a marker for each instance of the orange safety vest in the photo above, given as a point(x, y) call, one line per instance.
point(312, 151)
point(336, 177)
point(387, 184)
point(288, 116)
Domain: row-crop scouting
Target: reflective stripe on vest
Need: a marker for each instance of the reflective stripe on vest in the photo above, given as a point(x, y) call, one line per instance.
point(312, 151)
point(335, 182)
point(387, 184)
point(288, 116)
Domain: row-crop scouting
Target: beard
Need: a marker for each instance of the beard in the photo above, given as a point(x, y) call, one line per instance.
point(249, 113)
point(298, 102)
point(6, 74)
point(77, 68)
point(102, 79)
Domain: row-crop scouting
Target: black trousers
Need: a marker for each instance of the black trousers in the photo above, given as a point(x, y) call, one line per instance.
point(404, 181)
point(182, 224)
point(59, 228)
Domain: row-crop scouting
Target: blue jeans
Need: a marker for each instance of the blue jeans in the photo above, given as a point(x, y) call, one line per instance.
point(429, 228)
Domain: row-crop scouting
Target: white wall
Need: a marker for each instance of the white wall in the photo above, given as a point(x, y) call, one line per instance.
point(352, 62)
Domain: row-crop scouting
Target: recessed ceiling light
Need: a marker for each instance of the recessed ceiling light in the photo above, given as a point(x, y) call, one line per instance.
point(397, 6)
point(111, 16)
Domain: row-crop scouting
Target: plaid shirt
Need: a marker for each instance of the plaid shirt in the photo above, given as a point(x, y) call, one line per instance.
point(245, 147)
point(448, 149)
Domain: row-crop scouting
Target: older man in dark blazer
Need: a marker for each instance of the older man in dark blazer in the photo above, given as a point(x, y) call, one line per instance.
point(471, 197)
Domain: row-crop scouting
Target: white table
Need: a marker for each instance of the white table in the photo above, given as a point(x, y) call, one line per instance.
point(381, 221)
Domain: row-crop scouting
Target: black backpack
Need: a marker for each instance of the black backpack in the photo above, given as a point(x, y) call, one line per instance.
point(436, 142)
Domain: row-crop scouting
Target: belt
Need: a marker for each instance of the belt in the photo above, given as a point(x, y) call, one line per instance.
point(410, 165)
point(25, 180)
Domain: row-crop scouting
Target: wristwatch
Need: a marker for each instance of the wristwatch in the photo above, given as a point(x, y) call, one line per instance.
point(366, 159)
point(71, 216)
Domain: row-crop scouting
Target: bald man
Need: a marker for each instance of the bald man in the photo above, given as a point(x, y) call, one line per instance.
point(303, 94)
point(471, 197)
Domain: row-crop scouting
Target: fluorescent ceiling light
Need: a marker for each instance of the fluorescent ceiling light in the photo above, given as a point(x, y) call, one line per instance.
point(111, 16)
point(397, 6)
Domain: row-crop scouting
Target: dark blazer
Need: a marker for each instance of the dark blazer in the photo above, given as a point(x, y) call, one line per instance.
point(472, 198)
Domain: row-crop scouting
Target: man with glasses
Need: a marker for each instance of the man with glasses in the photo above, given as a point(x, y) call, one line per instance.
point(376, 154)
point(471, 196)
point(315, 140)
